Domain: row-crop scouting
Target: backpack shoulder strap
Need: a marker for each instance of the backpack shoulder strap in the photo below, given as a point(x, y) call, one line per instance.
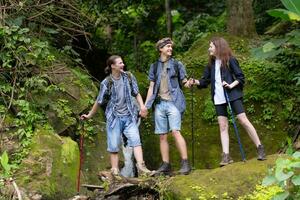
point(110, 84)
point(176, 68)
point(155, 65)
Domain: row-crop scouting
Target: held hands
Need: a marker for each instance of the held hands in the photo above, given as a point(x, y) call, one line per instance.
point(192, 82)
point(143, 111)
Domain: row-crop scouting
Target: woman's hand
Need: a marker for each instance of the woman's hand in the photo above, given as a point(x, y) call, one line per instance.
point(226, 85)
point(230, 86)
point(143, 111)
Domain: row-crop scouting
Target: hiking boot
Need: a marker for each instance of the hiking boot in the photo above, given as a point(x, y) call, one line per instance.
point(226, 159)
point(261, 152)
point(185, 167)
point(165, 168)
point(143, 170)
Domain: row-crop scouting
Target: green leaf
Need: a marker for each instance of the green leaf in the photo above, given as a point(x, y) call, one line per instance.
point(296, 180)
point(296, 154)
point(4, 158)
point(295, 165)
point(281, 196)
point(281, 176)
point(50, 30)
point(284, 14)
point(269, 180)
point(292, 5)
point(282, 163)
point(269, 46)
point(4, 162)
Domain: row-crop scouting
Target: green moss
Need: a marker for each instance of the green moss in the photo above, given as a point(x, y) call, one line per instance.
point(228, 182)
point(52, 166)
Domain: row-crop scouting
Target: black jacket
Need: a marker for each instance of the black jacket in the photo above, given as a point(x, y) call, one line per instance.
point(229, 74)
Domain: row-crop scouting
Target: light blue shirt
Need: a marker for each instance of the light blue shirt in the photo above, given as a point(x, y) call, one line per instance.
point(111, 93)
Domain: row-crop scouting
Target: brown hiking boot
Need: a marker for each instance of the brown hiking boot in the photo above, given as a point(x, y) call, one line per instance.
point(143, 170)
point(261, 152)
point(226, 159)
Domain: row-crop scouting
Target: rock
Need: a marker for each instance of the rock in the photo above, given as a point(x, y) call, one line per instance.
point(51, 167)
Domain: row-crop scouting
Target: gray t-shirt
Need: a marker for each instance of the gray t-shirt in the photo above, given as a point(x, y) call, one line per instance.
point(121, 106)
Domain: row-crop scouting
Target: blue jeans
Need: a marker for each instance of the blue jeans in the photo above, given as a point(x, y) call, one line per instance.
point(129, 128)
point(167, 117)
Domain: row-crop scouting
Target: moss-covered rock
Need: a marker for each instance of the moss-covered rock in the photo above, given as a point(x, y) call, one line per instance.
point(230, 182)
point(51, 167)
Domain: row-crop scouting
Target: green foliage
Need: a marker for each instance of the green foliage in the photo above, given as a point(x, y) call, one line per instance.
point(87, 129)
point(64, 112)
point(275, 47)
point(199, 27)
point(286, 175)
point(263, 193)
point(5, 167)
point(285, 49)
point(209, 113)
point(292, 11)
point(277, 92)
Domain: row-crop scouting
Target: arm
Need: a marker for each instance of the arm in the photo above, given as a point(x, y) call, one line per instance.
point(91, 113)
point(238, 73)
point(183, 75)
point(150, 91)
point(143, 108)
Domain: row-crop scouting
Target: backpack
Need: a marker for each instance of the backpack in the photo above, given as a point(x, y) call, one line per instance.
point(176, 67)
point(110, 84)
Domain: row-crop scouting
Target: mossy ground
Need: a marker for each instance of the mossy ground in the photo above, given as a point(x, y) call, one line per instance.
point(229, 182)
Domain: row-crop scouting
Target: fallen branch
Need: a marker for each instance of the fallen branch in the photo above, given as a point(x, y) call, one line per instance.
point(16, 188)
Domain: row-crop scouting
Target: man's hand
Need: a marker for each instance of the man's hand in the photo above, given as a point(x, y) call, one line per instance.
point(143, 111)
point(85, 116)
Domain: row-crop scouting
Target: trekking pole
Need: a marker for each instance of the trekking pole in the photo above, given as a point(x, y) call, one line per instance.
point(193, 139)
point(80, 156)
point(235, 127)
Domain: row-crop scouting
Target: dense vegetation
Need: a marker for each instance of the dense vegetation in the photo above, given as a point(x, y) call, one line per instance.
point(39, 38)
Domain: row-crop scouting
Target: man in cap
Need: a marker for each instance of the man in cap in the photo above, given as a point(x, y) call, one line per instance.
point(166, 76)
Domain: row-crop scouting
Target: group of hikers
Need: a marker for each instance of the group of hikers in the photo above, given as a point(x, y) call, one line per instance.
point(166, 76)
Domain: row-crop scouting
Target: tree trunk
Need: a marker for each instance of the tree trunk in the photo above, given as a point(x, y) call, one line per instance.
point(168, 18)
point(240, 18)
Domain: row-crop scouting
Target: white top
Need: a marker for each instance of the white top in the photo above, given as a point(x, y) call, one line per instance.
point(219, 97)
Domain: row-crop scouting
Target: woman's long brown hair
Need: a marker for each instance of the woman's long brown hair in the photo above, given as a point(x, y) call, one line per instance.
point(223, 51)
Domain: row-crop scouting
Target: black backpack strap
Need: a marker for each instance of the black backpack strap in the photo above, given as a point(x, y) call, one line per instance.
point(155, 65)
point(176, 68)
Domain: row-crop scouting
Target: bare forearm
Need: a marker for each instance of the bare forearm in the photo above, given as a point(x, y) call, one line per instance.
point(150, 92)
point(234, 83)
point(94, 109)
point(139, 100)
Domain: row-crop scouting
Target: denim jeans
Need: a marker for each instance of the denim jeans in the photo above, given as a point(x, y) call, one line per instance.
point(167, 117)
point(127, 126)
